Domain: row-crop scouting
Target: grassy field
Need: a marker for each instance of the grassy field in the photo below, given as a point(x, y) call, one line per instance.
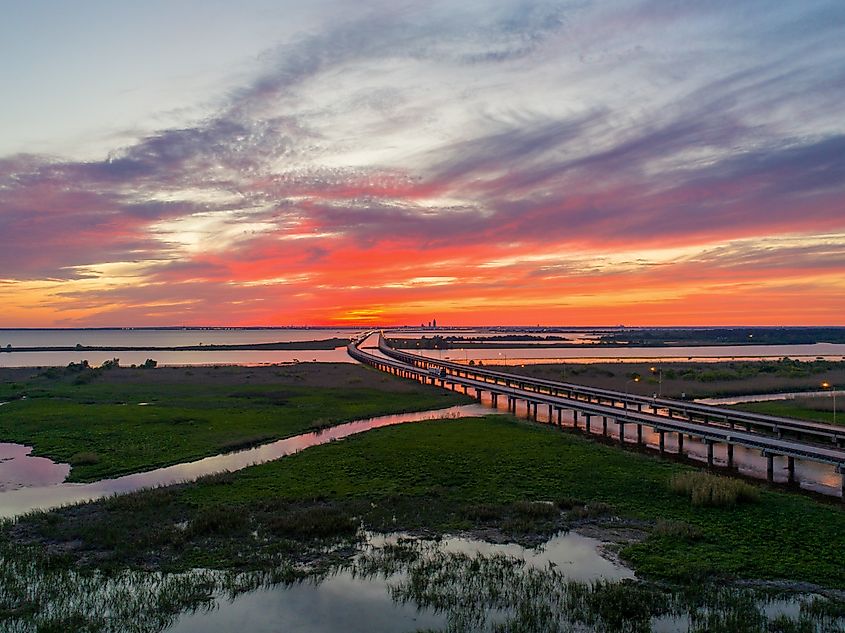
point(818, 409)
point(107, 423)
point(485, 475)
point(693, 379)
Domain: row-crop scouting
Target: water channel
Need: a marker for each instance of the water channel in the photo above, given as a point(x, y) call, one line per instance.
point(36, 484)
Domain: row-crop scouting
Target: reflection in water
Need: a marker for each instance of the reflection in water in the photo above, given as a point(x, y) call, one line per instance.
point(396, 584)
point(15, 502)
point(19, 469)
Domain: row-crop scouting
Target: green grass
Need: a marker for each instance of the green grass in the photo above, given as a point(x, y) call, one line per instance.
point(797, 409)
point(100, 428)
point(495, 460)
point(459, 475)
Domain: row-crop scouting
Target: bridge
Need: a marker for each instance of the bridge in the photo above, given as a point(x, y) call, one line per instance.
point(771, 435)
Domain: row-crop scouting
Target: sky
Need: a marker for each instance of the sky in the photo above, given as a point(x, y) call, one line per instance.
point(636, 162)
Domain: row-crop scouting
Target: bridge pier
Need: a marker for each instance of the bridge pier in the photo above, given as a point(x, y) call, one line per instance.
point(535, 411)
point(681, 444)
point(587, 427)
point(709, 453)
point(639, 434)
point(550, 414)
point(478, 394)
point(560, 417)
point(770, 467)
point(604, 425)
point(575, 418)
point(495, 398)
point(730, 455)
point(790, 469)
point(662, 435)
point(621, 426)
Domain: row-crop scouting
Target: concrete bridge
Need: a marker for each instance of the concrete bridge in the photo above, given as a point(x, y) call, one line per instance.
point(615, 411)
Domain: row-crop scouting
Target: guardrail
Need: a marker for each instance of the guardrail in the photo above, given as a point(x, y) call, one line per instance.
point(709, 414)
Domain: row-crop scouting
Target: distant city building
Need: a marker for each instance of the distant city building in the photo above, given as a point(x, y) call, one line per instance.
point(434, 323)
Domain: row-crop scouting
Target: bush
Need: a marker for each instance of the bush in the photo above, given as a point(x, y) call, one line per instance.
point(536, 509)
point(711, 490)
point(84, 459)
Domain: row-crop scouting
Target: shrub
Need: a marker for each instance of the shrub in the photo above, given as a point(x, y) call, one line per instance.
point(84, 459)
point(536, 509)
point(712, 490)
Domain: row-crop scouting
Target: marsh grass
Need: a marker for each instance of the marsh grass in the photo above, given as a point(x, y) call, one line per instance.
point(705, 489)
point(86, 458)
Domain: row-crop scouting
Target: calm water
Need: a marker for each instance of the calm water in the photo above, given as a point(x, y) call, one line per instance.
point(350, 602)
point(165, 338)
point(395, 584)
point(527, 355)
point(37, 486)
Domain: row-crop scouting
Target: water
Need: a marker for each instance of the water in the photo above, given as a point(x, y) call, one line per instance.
point(229, 357)
point(19, 469)
point(166, 337)
point(526, 354)
point(390, 583)
point(169, 338)
point(353, 602)
point(590, 354)
point(29, 495)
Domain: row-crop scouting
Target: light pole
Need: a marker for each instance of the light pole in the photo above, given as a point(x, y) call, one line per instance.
point(659, 379)
point(505, 354)
point(827, 385)
point(634, 379)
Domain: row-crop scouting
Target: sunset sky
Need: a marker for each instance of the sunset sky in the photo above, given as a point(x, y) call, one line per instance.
point(201, 162)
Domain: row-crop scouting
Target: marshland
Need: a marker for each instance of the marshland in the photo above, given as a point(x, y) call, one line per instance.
point(634, 542)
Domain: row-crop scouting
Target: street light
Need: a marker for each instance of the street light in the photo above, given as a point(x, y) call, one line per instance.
point(634, 379)
point(506, 357)
point(827, 385)
point(659, 379)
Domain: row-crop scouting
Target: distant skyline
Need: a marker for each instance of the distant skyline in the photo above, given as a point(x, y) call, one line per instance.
point(642, 162)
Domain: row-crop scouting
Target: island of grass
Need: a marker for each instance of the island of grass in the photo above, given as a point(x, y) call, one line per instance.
point(121, 420)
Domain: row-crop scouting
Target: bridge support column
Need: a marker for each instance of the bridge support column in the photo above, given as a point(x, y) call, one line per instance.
point(709, 453)
point(495, 398)
point(478, 394)
point(790, 469)
point(604, 425)
point(535, 412)
point(550, 414)
point(588, 417)
point(770, 467)
point(575, 418)
point(662, 435)
point(621, 431)
point(560, 417)
point(841, 469)
point(639, 434)
point(681, 444)
point(730, 455)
